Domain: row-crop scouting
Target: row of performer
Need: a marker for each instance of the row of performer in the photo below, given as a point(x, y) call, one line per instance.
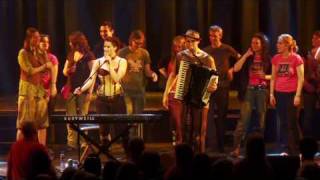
point(114, 72)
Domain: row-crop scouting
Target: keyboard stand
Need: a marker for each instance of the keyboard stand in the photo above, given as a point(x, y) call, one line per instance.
point(92, 142)
point(76, 121)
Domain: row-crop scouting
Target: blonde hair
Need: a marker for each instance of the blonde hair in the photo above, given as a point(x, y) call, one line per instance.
point(294, 47)
point(288, 39)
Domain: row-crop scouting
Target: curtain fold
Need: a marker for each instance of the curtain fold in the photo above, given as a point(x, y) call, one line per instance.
point(161, 20)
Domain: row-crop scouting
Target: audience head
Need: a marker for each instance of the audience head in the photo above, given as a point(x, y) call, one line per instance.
point(222, 168)
point(68, 173)
point(310, 172)
point(184, 155)
point(135, 149)
point(150, 164)
point(201, 166)
point(128, 171)
point(29, 130)
point(92, 164)
point(83, 175)
point(110, 170)
point(39, 163)
point(255, 147)
point(308, 148)
point(44, 177)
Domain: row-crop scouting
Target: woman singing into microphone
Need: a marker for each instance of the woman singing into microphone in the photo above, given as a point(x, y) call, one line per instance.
point(110, 69)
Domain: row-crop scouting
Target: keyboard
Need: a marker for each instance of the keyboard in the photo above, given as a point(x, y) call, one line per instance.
point(105, 118)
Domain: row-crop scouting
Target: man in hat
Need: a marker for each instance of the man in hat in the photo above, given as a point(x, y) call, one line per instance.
point(196, 134)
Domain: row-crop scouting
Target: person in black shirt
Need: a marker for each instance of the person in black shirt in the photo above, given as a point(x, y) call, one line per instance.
point(219, 101)
point(77, 69)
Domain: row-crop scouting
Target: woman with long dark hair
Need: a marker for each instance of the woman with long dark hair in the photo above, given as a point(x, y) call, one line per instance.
point(110, 69)
point(255, 65)
point(77, 69)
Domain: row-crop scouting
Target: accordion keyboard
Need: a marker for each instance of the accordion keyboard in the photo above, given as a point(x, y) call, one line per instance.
point(181, 81)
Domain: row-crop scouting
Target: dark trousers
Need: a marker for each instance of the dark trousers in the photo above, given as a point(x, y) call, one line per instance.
point(192, 117)
point(309, 102)
point(219, 102)
point(116, 105)
point(287, 113)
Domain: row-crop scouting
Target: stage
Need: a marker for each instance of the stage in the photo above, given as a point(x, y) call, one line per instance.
point(157, 135)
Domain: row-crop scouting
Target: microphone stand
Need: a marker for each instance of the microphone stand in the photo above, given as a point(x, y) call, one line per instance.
point(74, 95)
point(90, 77)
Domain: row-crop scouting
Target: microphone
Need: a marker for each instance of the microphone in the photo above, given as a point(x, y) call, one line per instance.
point(106, 58)
point(215, 72)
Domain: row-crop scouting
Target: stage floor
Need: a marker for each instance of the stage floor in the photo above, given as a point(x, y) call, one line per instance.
point(8, 104)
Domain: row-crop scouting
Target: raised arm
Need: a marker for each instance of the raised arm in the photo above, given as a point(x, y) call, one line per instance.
point(238, 65)
point(66, 68)
point(118, 75)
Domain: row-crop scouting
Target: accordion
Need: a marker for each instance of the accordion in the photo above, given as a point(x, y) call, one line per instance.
point(192, 83)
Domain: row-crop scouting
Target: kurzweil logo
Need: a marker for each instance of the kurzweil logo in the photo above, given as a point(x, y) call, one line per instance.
point(79, 118)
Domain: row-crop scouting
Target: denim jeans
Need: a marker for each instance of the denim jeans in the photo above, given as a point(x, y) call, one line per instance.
point(137, 101)
point(76, 105)
point(256, 98)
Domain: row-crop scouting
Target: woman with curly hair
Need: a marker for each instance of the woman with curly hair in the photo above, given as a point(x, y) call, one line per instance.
point(254, 66)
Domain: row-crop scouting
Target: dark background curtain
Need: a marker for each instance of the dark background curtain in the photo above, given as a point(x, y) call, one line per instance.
point(161, 20)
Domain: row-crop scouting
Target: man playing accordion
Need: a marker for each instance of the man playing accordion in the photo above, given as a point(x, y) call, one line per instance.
point(196, 81)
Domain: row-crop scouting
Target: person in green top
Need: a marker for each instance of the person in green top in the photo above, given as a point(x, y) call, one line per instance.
point(32, 97)
point(134, 82)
